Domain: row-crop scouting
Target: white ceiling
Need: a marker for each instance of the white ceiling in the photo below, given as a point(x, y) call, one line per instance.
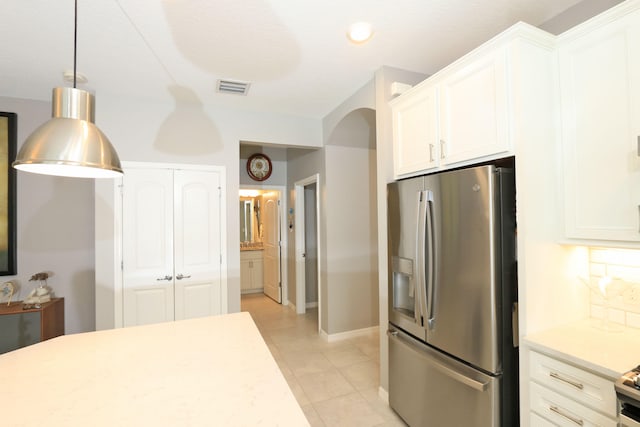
point(294, 52)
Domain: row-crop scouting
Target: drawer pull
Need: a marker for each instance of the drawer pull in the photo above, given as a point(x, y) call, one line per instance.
point(565, 380)
point(558, 411)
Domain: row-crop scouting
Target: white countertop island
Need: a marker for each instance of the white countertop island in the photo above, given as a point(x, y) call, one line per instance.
point(214, 371)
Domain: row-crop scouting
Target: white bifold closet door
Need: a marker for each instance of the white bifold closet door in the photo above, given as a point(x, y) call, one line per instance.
point(171, 245)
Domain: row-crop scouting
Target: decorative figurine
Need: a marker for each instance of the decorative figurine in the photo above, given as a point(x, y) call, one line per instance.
point(39, 295)
point(7, 288)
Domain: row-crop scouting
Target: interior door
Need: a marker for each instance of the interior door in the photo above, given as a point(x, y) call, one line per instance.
point(271, 245)
point(147, 246)
point(197, 244)
point(310, 246)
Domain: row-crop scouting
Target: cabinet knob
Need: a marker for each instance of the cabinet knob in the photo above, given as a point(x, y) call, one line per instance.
point(431, 153)
point(442, 143)
point(167, 277)
point(182, 276)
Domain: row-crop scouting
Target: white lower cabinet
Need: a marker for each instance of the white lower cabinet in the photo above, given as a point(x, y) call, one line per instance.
point(251, 271)
point(537, 421)
point(561, 394)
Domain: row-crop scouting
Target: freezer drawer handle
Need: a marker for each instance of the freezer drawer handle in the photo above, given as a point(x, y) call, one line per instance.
point(476, 385)
point(558, 411)
point(559, 377)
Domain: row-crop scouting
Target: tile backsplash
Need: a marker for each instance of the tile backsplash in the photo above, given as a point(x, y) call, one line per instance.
point(615, 285)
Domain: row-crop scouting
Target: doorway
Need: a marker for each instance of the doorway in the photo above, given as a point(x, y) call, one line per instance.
point(262, 265)
point(307, 235)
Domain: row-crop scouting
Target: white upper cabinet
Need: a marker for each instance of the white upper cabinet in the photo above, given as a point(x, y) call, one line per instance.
point(415, 132)
point(599, 64)
point(473, 109)
point(470, 111)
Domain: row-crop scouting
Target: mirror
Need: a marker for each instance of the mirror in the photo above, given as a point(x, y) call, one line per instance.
point(246, 220)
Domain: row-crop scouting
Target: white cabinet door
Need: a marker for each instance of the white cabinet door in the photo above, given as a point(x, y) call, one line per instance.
point(251, 271)
point(197, 243)
point(148, 294)
point(246, 281)
point(415, 133)
point(473, 109)
point(600, 95)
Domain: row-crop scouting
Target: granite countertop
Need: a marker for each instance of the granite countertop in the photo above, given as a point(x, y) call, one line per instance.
point(199, 372)
point(609, 354)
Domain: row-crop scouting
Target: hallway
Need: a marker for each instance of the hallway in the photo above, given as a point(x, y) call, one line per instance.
point(336, 384)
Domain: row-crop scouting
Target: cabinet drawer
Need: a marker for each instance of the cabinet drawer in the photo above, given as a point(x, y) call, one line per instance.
point(575, 383)
point(536, 420)
point(562, 411)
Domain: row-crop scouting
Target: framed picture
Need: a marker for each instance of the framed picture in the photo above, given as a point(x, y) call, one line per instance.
point(8, 138)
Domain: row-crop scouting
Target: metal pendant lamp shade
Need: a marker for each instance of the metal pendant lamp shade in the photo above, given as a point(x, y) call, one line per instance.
point(70, 144)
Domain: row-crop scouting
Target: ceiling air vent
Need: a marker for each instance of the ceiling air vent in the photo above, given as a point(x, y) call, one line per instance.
point(232, 87)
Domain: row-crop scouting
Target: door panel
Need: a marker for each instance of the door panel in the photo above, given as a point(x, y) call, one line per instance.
point(473, 110)
point(405, 289)
point(310, 246)
point(147, 246)
point(464, 318)
point(197, 299)
point(271, 244)
point(197, 243)
point(427, 388)
point(148, 304)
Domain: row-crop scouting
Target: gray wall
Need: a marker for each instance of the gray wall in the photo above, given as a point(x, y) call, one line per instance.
point(54, 228)
point(302, 163)
point(351, 239)
point(577, 14)
point(56, 215)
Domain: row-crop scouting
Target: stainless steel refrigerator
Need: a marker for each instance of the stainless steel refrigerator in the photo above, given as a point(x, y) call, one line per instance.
point(453, 299)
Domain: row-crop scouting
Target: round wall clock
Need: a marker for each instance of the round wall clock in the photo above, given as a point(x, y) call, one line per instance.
point(259, 167)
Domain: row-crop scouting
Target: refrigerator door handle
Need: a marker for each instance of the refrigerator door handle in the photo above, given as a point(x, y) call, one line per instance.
point(431, 262)
point(420, 258)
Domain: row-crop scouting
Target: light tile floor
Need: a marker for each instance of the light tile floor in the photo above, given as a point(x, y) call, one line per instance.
point(336, 384)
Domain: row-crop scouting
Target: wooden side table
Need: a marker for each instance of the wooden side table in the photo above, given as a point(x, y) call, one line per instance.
point(20, 328)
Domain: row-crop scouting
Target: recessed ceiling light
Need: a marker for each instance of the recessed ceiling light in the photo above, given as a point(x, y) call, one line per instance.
point(360, 32)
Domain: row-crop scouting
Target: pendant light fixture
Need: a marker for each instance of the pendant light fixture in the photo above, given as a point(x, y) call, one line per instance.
point(70, 144)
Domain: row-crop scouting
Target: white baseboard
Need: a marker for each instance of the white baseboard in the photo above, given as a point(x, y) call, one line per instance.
point(311, 304)
point(292, 306)
point(349, 334)
point(383, 394)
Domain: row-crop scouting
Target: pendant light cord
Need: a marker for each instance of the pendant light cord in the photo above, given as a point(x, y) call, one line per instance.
point(75, 40)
